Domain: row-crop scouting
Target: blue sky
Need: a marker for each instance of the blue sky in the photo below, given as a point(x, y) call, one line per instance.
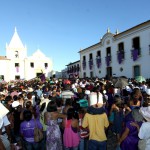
point(60, 28)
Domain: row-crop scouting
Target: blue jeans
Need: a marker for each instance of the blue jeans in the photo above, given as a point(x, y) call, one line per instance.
point(73, 148)
point(30, 146)
point(96, 145)
point(42, 144)
point(83, 144)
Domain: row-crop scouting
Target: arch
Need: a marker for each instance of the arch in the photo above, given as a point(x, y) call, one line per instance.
point(107, 36)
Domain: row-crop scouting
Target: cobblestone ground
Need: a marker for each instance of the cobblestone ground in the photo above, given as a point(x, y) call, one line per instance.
point(111, 142)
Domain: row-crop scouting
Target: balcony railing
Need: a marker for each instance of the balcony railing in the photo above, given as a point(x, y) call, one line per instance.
point(108, 60)
point(17, 69)
point(135, 54)
point(78, 68)
point(98, 62)
point(90, 64)
point(120, 56)
point(84, 64)
point(74, 69)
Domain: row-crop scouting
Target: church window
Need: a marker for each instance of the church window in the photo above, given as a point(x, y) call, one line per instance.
point(46, 65)
point(32, 65)
point(91, 74)
point(16, 64)
point(98, 54)
point(16, 54)
point(1, 77)
point(136, 44)
point(17, 77)
point(84, 74)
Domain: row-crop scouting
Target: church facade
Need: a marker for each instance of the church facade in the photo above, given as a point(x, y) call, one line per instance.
point(17, 65)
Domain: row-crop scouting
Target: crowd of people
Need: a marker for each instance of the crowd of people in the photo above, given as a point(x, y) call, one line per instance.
point(74, 114)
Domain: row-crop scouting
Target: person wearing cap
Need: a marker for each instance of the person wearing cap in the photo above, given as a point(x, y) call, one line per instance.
point(39, 91)
point(84, 132)
point(144, 131)
point(96, 123)
point(16, 111)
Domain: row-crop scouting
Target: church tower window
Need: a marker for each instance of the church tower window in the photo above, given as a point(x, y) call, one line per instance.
point(17, 67)
point(17, 77)
point(16, 64)
point(46, 65)
point(1, 77)
point(32, 65)
point(16, 54)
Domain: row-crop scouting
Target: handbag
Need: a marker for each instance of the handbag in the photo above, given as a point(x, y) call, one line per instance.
point(142, 144)
point(38, 134)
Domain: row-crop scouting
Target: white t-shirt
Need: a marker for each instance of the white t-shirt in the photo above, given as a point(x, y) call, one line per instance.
point(144, 87)
point(67, 94)
point(5, 123)
point(144, 133)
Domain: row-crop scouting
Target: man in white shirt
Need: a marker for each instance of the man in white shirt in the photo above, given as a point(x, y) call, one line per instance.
point(5, 134)
point(144, 131)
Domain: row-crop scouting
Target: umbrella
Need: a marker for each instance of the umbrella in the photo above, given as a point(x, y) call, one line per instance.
point(140, 78)
point(67, 81)
point(121, 83)
point(114, 80)
point(123, 77)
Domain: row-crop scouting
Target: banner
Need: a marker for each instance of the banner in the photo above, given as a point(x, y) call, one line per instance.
point(4, 110)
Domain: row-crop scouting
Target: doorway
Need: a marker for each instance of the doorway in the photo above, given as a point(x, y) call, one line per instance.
point(38, 74)
point(136, 70)
point(109, 72)
point(17, 77)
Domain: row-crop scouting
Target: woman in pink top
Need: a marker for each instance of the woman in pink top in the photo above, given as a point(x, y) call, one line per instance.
point(71, 137)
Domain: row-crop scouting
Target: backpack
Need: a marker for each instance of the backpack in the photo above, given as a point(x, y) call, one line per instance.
point(38, 134)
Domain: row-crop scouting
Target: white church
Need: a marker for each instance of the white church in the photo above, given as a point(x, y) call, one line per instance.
point(17, 65)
